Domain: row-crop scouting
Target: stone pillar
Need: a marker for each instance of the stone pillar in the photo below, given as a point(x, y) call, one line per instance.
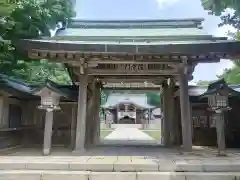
point(138, 115)
point(81, 114)
point(118, 110)
point(73, 126)
point(185, 114)
point(143, 122)
point(166, 131)
point(48, 133)
point(115, 116)
point(220, 127)
point(149, 116)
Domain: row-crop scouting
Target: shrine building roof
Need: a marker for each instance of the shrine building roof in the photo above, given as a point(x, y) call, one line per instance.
point(138, 100)
point(136, 37)
point(18, 88)
point(134, 31)
point(195, 91)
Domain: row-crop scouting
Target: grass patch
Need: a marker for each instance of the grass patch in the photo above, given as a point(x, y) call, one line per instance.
point(156, 134)
point(104, 133)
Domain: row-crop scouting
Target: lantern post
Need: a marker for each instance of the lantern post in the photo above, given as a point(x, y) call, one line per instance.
point(218, 105)
point(49, 102)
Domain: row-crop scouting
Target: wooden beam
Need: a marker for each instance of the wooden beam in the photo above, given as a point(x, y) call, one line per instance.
point(131, 80)
point(101, 57)
point(129, 77)
point(152, 61)
point(102, 72)
point(140, 89)
point(131, 85)
point(206, 47)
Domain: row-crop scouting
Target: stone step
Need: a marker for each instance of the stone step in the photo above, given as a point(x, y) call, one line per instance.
point(123, 165)
point(86, 175)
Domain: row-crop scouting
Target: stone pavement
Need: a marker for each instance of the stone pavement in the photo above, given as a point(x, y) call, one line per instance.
point(121, 164)
point(119, 159)
point(88, 175)
point(132, 163)
point(131, 134)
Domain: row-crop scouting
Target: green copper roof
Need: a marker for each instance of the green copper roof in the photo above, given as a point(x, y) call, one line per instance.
point(66, 91)
point(218, 87)
point(21, 89)
point(13, 86)
point(144, 23)
point(203, 90)
point(139, 100)
point(134, 31)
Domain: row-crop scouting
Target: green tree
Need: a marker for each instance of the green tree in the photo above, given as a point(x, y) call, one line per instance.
point(30, 19)
point(153, 98)
point(219, 7)
point(203, 83)
point(39, 71)
point(232, 75)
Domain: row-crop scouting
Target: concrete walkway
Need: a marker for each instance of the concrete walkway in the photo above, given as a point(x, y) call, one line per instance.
point(128, 134)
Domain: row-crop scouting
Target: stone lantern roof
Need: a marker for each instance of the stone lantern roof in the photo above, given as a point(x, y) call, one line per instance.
point(220, 86)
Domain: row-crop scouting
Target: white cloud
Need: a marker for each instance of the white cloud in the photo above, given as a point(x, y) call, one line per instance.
point(224, 30)
point(164, 3)
point(222, 65)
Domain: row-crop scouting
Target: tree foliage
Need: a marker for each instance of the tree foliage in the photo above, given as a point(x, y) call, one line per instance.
point(219, 7)
point(232, 75)
point(203, 83)
point(153, 98)
point(30, 19)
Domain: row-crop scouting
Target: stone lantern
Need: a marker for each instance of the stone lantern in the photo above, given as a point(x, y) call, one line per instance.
point(217, 94)
point(218, 101)
point(50, 99)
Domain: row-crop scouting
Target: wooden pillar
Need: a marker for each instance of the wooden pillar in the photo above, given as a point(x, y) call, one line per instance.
point(177, 121)
point(73, 126)
point(162, 118)
point(166, 131)
point(82, 112)
point(47, 144)
point(171, 112)
point(96, 136)
point(91, 108)
point(185, 113)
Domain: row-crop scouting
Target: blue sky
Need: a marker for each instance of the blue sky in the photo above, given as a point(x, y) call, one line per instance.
point(157, 9)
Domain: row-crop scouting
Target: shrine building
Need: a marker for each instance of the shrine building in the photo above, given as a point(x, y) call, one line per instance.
point(128, 108)
point(161, 54)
